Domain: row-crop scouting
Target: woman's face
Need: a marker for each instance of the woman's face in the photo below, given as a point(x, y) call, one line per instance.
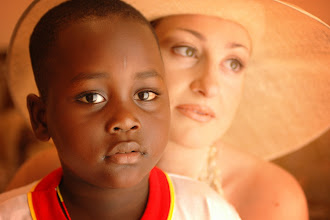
point(205, 60)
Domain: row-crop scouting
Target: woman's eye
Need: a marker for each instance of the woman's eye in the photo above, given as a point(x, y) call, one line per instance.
point(185, 51)
point(92, 98)
point(234, 65)
point(145, 96)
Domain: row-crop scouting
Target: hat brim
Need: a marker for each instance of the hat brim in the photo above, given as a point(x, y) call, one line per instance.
point(286, 101)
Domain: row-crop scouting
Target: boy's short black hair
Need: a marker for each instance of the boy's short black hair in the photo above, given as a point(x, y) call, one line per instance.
point(46, 31)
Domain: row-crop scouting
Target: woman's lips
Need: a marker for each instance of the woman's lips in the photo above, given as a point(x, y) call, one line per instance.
point(197, 112)
point(127, 152)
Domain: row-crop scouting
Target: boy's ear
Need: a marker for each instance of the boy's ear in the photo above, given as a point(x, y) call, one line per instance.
point(37, 112)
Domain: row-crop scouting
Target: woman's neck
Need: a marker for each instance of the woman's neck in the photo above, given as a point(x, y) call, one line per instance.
point(182, 160)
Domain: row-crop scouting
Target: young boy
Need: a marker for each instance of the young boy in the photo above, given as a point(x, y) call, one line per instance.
point(103, 101)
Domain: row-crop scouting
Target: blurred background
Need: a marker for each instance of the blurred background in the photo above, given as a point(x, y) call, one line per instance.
point(310, 165)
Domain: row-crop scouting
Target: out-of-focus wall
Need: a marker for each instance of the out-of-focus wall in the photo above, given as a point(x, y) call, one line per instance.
point(311, 167)
point(319, 8)
point(10, 11)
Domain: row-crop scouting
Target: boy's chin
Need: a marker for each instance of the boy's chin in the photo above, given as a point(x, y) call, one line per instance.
point(109, 177)
point(126, 180)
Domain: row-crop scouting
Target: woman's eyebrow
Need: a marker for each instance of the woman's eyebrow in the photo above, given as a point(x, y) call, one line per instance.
point(87, 76)
point(195, 33)
point(232, 45)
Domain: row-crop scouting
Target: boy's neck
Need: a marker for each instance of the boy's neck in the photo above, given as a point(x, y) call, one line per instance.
point(84, 201)
point(182, 160)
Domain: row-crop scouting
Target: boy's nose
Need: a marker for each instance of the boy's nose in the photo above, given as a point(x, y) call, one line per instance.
point(122, 121)
point(207, 82)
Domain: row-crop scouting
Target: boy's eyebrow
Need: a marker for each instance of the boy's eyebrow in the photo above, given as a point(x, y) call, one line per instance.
point(85, 76)
point(147, 74)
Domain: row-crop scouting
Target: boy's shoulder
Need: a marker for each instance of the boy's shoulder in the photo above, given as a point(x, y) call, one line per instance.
point(196, 200)
point(14, 203)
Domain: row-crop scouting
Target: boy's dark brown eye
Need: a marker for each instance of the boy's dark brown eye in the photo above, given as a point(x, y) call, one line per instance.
point(145, 96)
point(92, 98)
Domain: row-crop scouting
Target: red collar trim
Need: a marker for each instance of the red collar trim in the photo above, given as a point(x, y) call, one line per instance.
point(44, 203)
point(43, 199)
point(161, 196)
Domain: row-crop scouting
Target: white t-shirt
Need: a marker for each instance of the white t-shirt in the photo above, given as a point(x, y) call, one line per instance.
point(191, 200)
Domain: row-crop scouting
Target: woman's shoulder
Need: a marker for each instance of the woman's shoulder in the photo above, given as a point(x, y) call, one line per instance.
point(259, 189)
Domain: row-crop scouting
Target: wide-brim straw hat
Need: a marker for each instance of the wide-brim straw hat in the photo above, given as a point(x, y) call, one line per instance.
point(286, 101)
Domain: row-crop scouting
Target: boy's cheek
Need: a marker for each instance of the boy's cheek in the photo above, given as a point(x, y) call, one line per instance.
point(156, 132)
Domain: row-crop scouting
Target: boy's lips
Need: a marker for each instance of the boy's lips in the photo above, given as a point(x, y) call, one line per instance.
point(126, 152)
point(198, 113)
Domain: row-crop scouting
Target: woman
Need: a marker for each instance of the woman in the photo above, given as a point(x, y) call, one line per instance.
point(208, 55)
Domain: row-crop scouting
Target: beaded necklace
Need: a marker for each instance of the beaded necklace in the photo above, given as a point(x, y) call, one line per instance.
point(210, 174)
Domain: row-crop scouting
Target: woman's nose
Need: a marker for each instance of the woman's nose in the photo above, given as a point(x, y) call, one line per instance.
point(206, 82)
point(122, 120)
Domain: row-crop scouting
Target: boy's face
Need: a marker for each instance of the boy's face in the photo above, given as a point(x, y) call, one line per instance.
point(107, 108)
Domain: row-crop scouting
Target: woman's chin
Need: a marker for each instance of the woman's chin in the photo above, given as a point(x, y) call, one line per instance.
point(193, 139)
point(191, 134)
